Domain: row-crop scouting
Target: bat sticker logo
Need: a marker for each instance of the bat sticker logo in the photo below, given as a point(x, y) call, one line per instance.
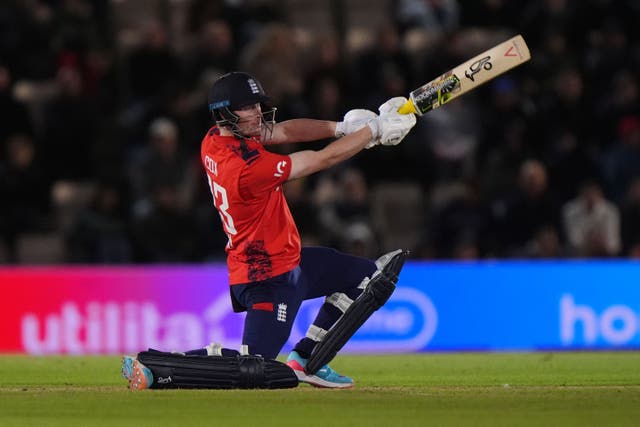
point(436, 94)
point(510, 52)
point(477, 66)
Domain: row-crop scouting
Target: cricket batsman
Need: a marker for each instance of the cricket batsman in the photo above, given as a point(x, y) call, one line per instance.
point(270, 274)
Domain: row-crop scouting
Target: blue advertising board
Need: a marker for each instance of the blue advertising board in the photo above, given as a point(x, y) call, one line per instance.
point(501, 306)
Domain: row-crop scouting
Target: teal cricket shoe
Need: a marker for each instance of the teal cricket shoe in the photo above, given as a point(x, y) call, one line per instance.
point(324, 378)
point(139, 376)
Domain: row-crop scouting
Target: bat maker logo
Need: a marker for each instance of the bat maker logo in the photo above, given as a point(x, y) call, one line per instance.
point(477, 66)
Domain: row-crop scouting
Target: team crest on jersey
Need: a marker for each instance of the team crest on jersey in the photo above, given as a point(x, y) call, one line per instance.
point(282, 312)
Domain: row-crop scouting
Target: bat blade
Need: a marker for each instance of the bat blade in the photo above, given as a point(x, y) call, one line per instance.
point(467, 76)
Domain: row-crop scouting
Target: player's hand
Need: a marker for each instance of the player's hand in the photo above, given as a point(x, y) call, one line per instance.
point(355, 120)
point(393, 126)
point(392, 105)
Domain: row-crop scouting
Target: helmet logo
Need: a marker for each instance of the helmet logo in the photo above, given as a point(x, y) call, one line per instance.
point(253, 86)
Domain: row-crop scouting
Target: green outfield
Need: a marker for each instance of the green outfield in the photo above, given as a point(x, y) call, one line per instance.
point(469, 389)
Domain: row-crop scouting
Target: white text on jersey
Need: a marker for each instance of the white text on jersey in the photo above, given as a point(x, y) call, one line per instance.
point(211, 165)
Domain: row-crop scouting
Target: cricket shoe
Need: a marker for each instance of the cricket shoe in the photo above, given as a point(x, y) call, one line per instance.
point(324, 378)
point(138, 375)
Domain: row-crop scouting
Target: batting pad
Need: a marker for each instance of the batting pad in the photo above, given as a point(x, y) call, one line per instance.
point(216, 372)
point(374, 296)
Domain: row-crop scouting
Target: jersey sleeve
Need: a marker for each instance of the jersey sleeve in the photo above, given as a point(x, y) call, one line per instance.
point(264, 173)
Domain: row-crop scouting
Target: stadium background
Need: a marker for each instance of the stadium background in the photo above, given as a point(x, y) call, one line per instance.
point(103, 105)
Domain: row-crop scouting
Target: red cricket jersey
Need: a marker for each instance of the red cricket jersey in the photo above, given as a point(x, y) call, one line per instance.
point(247, 192)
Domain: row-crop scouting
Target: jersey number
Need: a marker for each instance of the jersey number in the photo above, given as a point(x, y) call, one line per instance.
point(225, 216)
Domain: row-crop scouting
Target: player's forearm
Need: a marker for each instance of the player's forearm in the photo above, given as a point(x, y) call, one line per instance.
point(304, 163)
point(302, 130)
point(347, 146)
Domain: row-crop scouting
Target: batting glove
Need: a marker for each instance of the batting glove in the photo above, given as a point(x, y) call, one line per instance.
point(355, 120)
point(393, 126)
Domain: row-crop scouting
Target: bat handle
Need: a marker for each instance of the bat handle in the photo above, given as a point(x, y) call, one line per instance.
point(407, 108)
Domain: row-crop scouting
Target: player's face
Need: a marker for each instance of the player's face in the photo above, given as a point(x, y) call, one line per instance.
point(250, 120)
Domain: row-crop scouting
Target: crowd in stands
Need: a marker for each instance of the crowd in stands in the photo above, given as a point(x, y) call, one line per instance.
point(101, 123)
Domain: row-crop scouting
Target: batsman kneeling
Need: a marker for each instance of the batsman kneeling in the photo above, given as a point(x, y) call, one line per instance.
point(270, 273)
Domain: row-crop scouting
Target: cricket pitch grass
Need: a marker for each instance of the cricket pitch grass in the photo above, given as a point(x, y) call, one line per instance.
point(432, 389)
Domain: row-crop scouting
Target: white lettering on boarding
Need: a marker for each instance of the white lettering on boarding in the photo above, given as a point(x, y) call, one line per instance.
point(617, 324)
point(121, 327)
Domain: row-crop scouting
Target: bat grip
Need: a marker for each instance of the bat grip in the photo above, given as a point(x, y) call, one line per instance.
point(407, 108)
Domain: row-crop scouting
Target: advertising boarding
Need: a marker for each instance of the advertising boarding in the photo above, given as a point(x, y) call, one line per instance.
point(484, 306)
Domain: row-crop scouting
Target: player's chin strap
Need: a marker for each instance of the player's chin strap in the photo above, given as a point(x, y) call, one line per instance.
point(377, 291)
point(216, 372)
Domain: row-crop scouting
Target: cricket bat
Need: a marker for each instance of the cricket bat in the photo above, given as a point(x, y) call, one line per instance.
point(467, 76)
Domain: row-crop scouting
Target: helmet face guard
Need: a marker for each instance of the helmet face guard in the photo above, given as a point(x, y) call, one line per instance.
point(232, 92)
point(224, 117)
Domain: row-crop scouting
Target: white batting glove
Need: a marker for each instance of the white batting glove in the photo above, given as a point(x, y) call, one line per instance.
point(393, 126)
point(392, 105)
point(355, 120)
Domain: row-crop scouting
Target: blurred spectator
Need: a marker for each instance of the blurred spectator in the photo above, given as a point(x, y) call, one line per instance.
point(453, 137)
point(152, 67)
point(630, 219)
point(70, 129)
point(544, 16)
point(495, 14)
point(27, 29)
point(466, 249)
point(247, 19)
point(592, 223)
point(162, 163)
point(15, 117)
point(349, 205)
point(437, 17)
point(621, 99)
point(546, 244)
point(570, 162)
point(153, 74)
point(99, 235)
point(564, 98)
point(384, 70)
point(461, 223)
point(608, 58)
point(326, 62)
point(621, 162)
point(359, 240)
point(325, 83)
point(506, 151)
point(214, 51)
point(80, 24)
point(326, 99)
point(164, 233)
point(529, 207)
point(203, 11)
point(275, 60)
point(24, 192)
